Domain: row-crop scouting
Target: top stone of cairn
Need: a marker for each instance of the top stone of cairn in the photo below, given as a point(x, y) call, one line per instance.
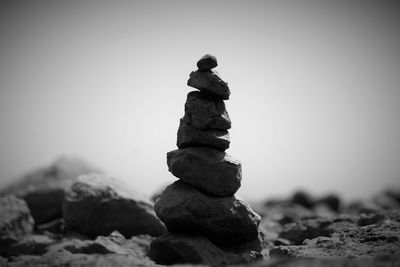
point(207, 62)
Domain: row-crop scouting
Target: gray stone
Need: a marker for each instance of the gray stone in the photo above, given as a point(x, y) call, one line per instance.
point(16, 221)
point(115, 243)
point(189, 136)
point(205, 112)
point(225, 221)
point(207, 169)
point(98, 204)
point(365, 242)
point(207, 62)
point(30, 245)
point(177, 248)
point(43, 189)
point(209, 82)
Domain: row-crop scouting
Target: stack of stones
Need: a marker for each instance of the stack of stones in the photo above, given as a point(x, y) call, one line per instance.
point(202, 202)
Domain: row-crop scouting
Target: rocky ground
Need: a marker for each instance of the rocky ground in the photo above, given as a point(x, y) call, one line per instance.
point(51, 217)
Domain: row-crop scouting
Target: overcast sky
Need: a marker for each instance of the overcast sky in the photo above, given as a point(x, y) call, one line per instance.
point(315, 97)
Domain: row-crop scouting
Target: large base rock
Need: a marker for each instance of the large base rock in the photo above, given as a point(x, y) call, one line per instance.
point(97, 205)
point(43, 189)
point(206, 168)
point(176, 248)
point(225, 221)
point(15, 220)
point(206, 112)
point(189, 136)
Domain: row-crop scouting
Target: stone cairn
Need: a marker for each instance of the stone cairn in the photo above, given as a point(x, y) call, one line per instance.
point(200, 210)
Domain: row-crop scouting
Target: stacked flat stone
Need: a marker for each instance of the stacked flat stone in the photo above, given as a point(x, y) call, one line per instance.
point(202, 201)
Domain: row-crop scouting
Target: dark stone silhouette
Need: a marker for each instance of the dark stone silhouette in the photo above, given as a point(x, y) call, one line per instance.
point(202, 203)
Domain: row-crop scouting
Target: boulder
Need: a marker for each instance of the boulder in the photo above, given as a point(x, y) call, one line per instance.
point(207, 169)
point(209, 82)
point(43, 189)
point(206, 112)
point(189, 136)
point(98, 204)
point(16, 221)
point(177, 248)
point(225, 221)
point(207, 62)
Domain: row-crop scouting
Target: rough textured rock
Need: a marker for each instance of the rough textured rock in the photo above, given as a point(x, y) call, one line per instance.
point(207, 169)
point(206, 112)
point(177, 248)
point(209, 82)
point(223, 220)
point(98, 204)
point(297, 232)
point(115, 243)
point(350, 241)
point(43, 189)
point(189, 136)
point(207, 62)
point(16, 221)
point(30, 245)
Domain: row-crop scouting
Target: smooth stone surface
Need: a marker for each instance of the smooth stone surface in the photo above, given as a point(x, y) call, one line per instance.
point(98, 204)
point(16, 221)
point(225, 221)
point(207, 62)
point(189, 136)
point(204, 112)
point(209, 82)
point(43, 189)
point(177, 248)
point(207, 169)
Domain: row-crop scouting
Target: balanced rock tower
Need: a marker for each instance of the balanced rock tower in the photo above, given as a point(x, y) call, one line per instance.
point(206, 223)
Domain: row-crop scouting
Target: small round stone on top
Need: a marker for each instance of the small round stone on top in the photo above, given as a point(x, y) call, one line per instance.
point(207, 62)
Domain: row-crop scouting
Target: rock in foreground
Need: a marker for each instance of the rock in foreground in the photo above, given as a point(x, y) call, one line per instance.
point(177, 248)
point(225, 221)
point(207, 169)
point(365, 242)
point(97, 205)
point(15, 220)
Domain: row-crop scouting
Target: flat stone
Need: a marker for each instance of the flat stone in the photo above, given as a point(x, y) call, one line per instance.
point(204, 112)
point(16, 221)
point(225, 221)
point(30, 245)
point(189, 136)
point(112, 205)
point(177, 248)
point(209, 82)
point(207, 169)
point(43, 189)
point(207, 62)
